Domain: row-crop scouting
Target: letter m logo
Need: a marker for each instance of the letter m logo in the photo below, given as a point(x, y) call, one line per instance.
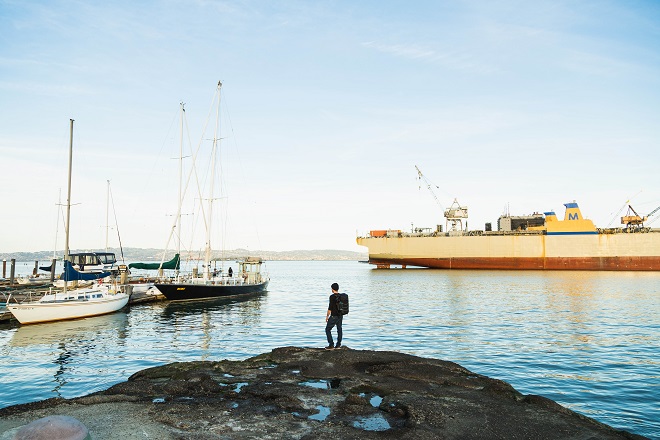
point(572, 216)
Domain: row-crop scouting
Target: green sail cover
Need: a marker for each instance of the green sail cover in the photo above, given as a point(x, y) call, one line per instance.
point(174, 263)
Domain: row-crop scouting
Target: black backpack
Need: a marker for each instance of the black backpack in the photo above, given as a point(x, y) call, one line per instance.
point(342, 303)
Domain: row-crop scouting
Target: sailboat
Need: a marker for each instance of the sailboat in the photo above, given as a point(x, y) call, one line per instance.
point(75, 303)
point(211, 284)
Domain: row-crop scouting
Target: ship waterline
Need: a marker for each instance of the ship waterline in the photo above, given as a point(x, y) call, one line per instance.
point(571, 244)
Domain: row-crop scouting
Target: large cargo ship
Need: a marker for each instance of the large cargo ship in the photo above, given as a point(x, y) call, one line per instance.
point(537, 242)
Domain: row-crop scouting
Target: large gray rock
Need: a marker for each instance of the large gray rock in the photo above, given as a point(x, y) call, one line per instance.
point(304, 393)
point(53, 428)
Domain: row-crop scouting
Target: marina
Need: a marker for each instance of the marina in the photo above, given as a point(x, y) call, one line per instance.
point(75, 301)
point(588, 340)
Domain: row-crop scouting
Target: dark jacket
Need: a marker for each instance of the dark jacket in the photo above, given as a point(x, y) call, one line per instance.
point(332, 304)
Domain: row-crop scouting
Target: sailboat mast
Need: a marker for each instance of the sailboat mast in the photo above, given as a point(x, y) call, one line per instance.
point(178, 225)
point(213, 166)
point(57, 220)
point(107, 214)
point(68, 201)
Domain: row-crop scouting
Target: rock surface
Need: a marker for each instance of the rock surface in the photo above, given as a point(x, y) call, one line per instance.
point(307, 393)
point(53, 428)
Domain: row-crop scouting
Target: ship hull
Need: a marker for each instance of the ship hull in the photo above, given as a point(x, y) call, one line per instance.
point(610, 252)
point(37, 312)
point(188, 291)
point(609, 263)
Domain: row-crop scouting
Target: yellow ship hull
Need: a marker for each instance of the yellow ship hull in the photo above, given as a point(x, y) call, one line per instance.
point(639, 251)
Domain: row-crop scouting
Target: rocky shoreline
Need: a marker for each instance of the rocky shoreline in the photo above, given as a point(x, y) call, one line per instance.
point(308, 393)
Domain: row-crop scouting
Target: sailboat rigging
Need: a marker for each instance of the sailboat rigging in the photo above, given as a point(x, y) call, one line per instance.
point(247, 279)
point(74, 303)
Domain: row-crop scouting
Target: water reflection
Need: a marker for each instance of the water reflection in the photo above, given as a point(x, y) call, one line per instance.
point(249, 303)
point(207, 319)
point(588, 340)
point(321, 415)
point(63, 359)
point(76, 334)
point(69, 343)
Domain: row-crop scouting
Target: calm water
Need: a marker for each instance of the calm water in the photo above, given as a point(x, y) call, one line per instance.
point(588, 340)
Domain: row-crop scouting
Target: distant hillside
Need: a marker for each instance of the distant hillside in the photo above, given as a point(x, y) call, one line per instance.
point(138, 254)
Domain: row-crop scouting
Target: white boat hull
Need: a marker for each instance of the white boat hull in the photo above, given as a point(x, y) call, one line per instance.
point(33, 280)
point(70, 284)
point(142, 288)
point(90, 302)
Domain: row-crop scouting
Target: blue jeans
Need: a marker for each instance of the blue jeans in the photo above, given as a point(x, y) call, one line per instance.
point(332, 321)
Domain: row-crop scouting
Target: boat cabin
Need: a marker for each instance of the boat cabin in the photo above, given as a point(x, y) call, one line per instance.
point(250, 269)
point(93, 261)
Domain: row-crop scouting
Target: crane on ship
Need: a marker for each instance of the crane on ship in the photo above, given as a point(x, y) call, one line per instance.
point(429, 185)
point(454, 214)
point(634, 220)
point(618, 213)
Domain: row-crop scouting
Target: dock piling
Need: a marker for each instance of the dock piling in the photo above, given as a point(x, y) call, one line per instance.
point(12, 271)
point(123, 274)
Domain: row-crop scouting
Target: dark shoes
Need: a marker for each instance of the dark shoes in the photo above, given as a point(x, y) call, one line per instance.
point(330, 347)
point(338, 346)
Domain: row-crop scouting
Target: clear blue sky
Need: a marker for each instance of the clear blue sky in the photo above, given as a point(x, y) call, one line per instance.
point(500, 103)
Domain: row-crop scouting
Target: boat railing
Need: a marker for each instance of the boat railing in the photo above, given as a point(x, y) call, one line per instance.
point(224, 280)
point(28, 296)
point(472, 233)
point(633, 230)
point(250, 278)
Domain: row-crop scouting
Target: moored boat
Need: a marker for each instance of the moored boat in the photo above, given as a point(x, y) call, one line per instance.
point(75, 303)
point(536, 242)
point(210, 284)
point(248, 279)
point(93, 262)
point(72, 304)
point(74, 283)
point(33, 280)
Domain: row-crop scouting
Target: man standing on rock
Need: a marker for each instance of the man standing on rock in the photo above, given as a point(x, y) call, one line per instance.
point(332, 318)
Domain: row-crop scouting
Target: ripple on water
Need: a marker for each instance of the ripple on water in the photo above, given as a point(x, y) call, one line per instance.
point(588, 340)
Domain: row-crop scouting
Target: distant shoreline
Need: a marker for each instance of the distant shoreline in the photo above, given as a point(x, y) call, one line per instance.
point(154, 255)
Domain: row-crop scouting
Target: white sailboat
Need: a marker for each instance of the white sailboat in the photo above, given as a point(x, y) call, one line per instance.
point(70, 304)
